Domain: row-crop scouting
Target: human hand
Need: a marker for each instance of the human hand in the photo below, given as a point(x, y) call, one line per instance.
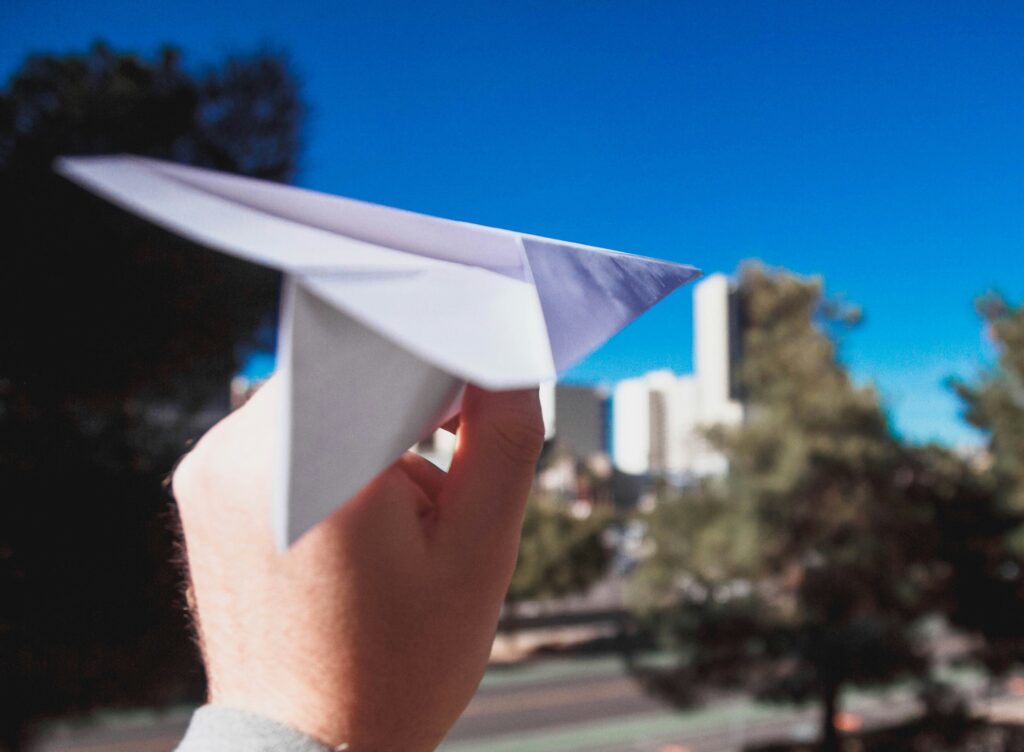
point(376, 626)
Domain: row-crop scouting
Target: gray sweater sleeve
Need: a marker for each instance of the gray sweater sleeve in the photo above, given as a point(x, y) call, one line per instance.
point(215, 728)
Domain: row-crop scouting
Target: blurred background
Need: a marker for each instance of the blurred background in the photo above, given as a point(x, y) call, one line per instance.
point(782, 511)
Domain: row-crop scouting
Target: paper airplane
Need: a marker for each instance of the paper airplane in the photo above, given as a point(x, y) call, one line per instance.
point(386, 314)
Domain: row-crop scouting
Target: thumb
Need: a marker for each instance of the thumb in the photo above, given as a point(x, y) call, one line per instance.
point(500, 438)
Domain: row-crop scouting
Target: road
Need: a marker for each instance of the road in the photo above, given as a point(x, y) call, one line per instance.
point(592, 705)
point(557, 705)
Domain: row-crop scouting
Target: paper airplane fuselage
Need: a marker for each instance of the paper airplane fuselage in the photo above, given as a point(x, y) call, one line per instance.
point(386, 314)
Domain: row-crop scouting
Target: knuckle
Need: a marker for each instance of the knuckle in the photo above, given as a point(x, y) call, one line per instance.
point(521, 439)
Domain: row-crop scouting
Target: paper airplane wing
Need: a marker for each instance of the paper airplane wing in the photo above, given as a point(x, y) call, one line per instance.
point(386, 313)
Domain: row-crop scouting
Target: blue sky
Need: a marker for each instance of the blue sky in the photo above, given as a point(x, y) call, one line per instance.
point(880, 145)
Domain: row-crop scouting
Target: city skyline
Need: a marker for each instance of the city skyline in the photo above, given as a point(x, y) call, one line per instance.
point(659, 418)
point(877, 146)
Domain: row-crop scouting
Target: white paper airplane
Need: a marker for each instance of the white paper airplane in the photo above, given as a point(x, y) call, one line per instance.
point(386, 314)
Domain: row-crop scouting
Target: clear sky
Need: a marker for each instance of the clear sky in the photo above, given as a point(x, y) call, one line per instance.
point(880, 145)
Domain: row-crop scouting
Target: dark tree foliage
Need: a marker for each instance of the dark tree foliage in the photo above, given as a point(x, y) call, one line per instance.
point(117, 342)
point(986, 557)
point(805, 569)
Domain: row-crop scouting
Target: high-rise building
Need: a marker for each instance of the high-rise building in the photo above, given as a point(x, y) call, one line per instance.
point(631, 426)
point(581, 419)
point(658, 419)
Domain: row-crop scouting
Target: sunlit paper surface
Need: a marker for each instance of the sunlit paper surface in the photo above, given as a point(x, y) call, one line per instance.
point(386, 314)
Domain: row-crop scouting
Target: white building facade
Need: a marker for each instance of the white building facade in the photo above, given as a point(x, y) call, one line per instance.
point(658, 419)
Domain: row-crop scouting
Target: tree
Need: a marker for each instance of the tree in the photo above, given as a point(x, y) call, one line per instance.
point(117, 339)
point(985, 552)
point(996, 403)
point(807, 556)
point(558, 554)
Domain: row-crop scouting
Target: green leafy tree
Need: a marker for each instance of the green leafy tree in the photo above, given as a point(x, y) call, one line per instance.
point(117, 341)
point(558, 554)
point(806, 561)
point(996, 403)
point(985, 554)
